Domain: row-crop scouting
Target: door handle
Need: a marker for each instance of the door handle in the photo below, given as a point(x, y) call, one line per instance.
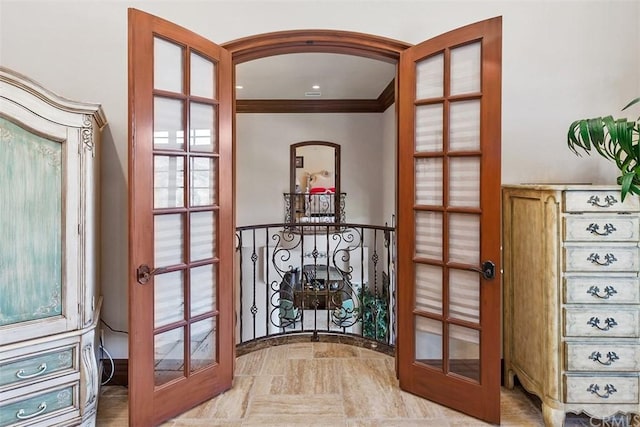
point(488, 270)
point(144, 273)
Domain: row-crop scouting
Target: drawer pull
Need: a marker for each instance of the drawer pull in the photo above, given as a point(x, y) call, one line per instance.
point(608, 292)
point(611, 357)
point(594, 228)
point(608, 201)
point(608, 388)
point(21, 413)
point(609, 321)
point(41, 370)
point(608, 259)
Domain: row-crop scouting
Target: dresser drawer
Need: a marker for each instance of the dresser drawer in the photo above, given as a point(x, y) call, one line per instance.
point(602, 290)
point(605, 228)
point(597, 321)
point(36, 408)
point(602, 356)
point(599, 201)
point(601, 258)
point(601, 389)
point(38, 366)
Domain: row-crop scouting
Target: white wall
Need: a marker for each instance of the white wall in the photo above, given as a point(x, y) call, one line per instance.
point(262, 162)
point(562, 60)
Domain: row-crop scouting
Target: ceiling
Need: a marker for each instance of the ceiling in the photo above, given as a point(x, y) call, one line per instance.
point(290, 76)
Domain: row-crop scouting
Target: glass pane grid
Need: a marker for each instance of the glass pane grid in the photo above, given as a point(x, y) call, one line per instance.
point(465, 69)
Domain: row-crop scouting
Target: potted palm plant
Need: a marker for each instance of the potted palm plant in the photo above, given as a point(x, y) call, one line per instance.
point(613, 139)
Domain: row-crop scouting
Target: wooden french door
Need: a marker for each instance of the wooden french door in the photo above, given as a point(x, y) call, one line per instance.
point(181, 347)
point(449, 219)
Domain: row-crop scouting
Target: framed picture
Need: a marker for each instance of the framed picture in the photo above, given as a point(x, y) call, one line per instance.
point(299, 161)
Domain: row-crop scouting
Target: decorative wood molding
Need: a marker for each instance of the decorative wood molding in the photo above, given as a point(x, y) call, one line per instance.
point(331, 41)
point(271, 106)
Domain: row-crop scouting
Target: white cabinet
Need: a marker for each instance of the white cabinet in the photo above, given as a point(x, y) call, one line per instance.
point(50, 298)
point(571, 298)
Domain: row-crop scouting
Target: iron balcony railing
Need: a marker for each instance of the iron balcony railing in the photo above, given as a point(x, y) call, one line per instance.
point(332, 279)
point(310, 208)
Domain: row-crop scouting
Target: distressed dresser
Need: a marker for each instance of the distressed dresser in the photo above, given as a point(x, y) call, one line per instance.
point(49, 294)
point(571, 298)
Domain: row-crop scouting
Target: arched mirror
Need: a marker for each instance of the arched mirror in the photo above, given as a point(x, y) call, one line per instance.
point(315, 183)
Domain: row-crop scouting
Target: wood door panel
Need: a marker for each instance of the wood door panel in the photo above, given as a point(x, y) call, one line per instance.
point(174, 363)
point(450, 355)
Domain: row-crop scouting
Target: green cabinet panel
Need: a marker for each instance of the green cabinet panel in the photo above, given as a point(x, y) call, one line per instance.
point(37, 406)
point(42, 365)
point(30, 225)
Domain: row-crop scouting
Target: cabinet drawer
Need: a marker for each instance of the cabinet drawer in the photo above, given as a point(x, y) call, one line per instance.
point(37, 366)
point(601, 389)
point(36, 408)
point(602, 290)
point(599, 201)
point(596, 321)
point(602, 356)
point(601, 258)
point(609, 228)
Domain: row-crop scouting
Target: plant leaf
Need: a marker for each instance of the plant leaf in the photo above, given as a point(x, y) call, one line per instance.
point(635, 101)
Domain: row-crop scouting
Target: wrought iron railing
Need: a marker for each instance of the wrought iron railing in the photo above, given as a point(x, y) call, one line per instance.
point(310, 208)
point(323, 279)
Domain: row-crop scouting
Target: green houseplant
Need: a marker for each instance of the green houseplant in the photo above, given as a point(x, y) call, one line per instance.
point(614, 139)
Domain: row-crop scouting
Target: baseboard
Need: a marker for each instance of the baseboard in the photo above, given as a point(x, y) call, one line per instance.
point(120, 374)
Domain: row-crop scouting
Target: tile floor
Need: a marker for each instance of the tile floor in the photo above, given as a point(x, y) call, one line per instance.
point(327, 384)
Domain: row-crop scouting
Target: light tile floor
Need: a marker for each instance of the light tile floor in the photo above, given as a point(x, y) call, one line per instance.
point(327, 384)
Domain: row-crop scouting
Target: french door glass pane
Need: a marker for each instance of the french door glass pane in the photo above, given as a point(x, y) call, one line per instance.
point(464, 295)
point(428, 235)
point(429, 342)
point(464, 182)
point(203, 289)
point(169, 356)
point(168, 182)
point(464, 351)
point(430, 77)
point(167, 66)
point(203, 77)
point(428, 181)
point(464, 125)
point(429, 288)
point(203, 343)
point(203, 236)
point(168, 298)
point(203, 181)
point(168, 231)
point(464, 239)
point(429, 128)
point(202, 133)
point(168, 128)
point(465, 69)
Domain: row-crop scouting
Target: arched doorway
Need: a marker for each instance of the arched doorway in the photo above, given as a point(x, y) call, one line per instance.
point(431, 206)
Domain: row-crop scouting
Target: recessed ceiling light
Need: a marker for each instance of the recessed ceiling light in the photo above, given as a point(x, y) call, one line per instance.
point(239, 87)
point(315, 87)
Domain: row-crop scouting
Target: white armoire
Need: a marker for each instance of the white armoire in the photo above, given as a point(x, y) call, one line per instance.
point(49, 291)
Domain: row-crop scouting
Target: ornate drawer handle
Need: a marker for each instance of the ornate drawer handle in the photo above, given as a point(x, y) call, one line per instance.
point(609, 321)
point(41, 369)
point(611, 357)
point(608, 229)
point(608, 201)
point(608, 259)
point(21, 413)
point(608, 292)
point(608, 388)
